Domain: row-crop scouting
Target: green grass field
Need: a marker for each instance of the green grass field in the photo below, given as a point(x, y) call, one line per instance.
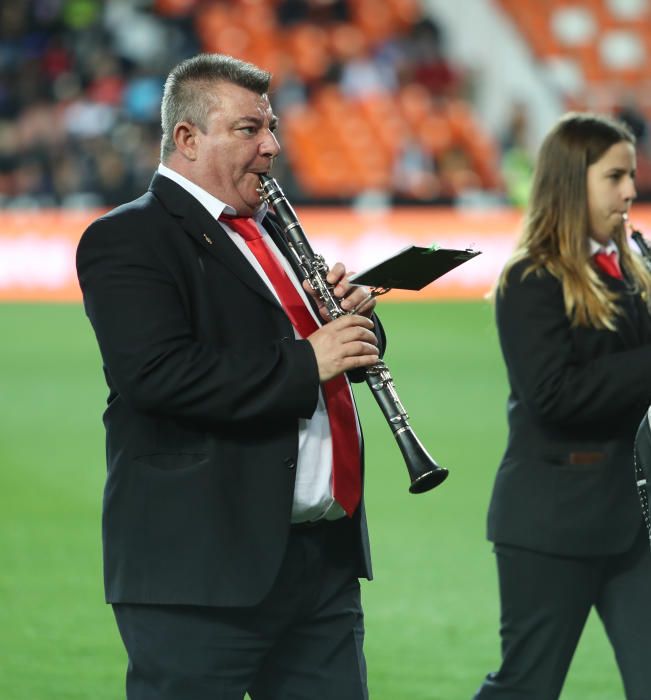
point(432, 611)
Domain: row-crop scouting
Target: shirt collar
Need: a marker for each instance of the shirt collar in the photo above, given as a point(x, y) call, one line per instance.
point(610, 247)
point(214, 205)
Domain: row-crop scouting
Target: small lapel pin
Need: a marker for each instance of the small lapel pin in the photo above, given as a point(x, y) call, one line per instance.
point(208, 239)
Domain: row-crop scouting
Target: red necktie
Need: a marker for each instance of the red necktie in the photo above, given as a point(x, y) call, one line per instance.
point(346, 463)
point(609, 264)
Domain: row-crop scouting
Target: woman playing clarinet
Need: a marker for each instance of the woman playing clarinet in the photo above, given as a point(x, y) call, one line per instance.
point(572, 309)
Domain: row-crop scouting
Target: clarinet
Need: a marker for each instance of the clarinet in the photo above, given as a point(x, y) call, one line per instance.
point(641, 466)
point(644, 247)
point(423, 470)
point(641, 451)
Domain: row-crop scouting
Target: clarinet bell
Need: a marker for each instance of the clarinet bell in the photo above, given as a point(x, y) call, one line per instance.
point(424, 472)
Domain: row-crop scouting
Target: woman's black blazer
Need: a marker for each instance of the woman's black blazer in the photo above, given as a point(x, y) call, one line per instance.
point(566, 483)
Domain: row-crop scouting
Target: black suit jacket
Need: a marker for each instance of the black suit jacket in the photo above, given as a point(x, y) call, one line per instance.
point(206, 386)
point(565, 484)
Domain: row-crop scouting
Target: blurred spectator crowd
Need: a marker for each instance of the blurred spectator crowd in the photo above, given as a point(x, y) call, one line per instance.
point(80, 88)
point(81, 82)
point(369, 103)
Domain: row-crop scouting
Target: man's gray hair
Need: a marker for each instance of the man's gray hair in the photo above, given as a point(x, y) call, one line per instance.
point(187, 97)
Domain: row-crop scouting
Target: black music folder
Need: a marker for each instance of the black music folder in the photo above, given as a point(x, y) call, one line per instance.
point(413, 267)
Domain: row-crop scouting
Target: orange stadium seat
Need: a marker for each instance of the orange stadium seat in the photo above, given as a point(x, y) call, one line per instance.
point(405, 12)
point(435, 134)
point(415, 103)
point(384, 122)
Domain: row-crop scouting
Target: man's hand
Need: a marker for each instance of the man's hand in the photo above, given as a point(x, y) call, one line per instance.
point(349, 295)
point(344, 344)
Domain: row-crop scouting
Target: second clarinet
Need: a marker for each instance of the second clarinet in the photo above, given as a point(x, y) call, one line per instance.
point(642, 244)
point(423, 470)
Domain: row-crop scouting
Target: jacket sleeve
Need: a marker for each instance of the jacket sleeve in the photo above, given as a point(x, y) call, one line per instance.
point(152, 356)
point(544, 368)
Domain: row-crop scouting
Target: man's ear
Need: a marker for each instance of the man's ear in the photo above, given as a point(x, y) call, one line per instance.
point(185, 139)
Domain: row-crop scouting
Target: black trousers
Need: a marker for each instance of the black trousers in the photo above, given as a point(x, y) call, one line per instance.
point(303, 642)
point(545, 603)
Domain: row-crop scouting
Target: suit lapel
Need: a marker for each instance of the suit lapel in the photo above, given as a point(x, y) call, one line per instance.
point(198, 223)
point(273, 229)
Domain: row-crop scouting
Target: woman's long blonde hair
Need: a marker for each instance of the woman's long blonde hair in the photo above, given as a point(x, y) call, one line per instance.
point(557, 228)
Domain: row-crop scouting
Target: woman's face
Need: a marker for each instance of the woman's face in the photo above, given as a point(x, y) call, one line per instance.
point(611, 190)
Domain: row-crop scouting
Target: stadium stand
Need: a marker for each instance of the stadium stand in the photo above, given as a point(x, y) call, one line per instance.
point(608, 41)
point(80, 83)
point(598, 52)
point(368, 96)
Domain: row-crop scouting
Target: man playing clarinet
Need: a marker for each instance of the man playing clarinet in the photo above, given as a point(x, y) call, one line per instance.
point(233, 526)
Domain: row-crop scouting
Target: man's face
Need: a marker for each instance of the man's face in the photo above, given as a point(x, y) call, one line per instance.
point(238, 144)
point(611, 190)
